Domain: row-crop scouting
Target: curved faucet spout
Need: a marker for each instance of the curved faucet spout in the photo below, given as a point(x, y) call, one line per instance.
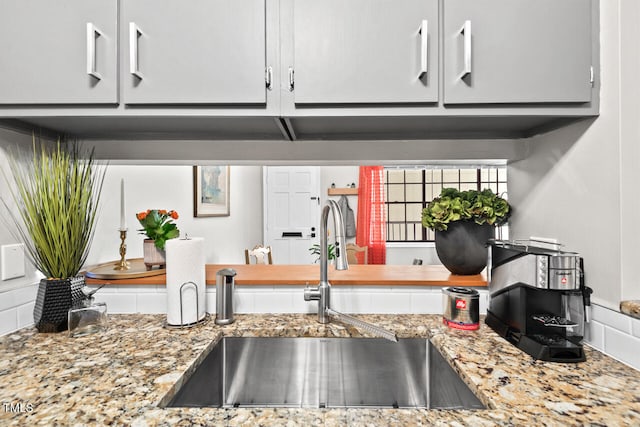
point(341, 253)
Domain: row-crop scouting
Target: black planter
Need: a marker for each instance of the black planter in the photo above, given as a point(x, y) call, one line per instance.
point(462, 248)
point(55, 298)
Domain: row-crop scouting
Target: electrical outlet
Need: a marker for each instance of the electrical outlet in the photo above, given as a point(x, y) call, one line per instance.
point(12, 258)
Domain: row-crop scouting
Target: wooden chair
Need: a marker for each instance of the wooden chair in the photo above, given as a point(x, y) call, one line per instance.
point(352, 250)
point(259, 253)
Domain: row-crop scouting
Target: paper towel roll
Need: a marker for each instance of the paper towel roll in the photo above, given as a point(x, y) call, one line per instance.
point(185, 263)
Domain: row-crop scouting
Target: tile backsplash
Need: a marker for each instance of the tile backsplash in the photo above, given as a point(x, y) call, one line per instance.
point(615, 334)
point(289, 299)
point(611, 332)
point(16, 308)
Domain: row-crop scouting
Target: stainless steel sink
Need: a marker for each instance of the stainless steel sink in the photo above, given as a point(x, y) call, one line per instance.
point(324, 373)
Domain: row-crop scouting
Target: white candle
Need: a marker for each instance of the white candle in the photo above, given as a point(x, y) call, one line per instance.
point(123, 223)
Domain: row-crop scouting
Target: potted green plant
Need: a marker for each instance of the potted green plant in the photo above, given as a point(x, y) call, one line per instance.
point(56, 191)
point(158, 226)
point(463, 221)
point(331, 251)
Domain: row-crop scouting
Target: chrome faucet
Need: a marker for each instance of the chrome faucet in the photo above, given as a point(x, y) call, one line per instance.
point(322, 292)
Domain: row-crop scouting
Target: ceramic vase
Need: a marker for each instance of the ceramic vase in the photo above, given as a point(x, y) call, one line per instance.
point(152, 255)
point(462, 248)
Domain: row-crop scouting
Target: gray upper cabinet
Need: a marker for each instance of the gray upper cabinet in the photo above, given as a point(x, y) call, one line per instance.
point(58, 52)
point(517, 51)
point(193, 51)
point(365, 51)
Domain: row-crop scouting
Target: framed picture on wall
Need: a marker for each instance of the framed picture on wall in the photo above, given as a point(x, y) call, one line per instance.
point(211, 191)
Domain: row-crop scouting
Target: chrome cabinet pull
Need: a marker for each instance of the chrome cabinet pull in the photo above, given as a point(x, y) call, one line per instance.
point(291, 79)
point(466, 32)
point(92, 34)
point(268, 77)
point(424, 48)
point(134, 33)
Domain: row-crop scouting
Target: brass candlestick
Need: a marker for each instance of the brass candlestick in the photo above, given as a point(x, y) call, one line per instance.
point(122, 264)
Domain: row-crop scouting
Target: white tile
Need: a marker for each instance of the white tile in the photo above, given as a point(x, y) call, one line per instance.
point(594, 335)
point(426, 303)
point(342, 299)
point(107, 289)
point(136, 289)
point(611, 318)
point(635, 327)
point(152, 303)
point(25, 294)
point(273, 302)
point(211, 302)
point(243, 302)
point(8, 321)
point(118, 303)
point(25, 314)
point(8, 299)
point(484, 302)
point(622, 347)
point(299, 305)
point(359, 300)
point(390, 302)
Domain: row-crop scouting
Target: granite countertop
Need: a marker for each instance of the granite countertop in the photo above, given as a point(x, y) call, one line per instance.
point(119, 376)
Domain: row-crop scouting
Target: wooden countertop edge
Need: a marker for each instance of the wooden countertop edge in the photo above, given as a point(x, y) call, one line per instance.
point(301, 275)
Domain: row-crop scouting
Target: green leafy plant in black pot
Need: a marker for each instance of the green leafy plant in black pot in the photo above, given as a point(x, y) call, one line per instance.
point(55, 188)
point(463, 221)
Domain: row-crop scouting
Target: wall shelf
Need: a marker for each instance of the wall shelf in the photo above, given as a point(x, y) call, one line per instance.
point(342, 191)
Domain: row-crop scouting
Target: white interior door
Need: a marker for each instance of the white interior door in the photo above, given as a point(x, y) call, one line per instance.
point(292, 212)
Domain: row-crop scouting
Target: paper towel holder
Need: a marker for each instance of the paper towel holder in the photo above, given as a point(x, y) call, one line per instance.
point(197, 322)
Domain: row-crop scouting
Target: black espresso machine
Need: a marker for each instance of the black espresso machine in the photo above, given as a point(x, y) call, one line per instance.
point(538, 299)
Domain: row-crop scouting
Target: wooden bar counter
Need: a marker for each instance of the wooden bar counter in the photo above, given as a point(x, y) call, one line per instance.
point(367, 275)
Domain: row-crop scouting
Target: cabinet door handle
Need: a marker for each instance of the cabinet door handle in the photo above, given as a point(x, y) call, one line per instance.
point(291, 79)
point(424, 48)
point(134, 32)
point(92, 34)
point(268, 77)
point(466, 32)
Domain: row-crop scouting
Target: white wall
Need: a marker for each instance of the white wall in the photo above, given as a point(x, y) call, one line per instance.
point(579, 183)
point(12, 139)
point(171, 187)
point(17, 295)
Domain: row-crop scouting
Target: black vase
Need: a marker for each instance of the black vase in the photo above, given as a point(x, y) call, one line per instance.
point(462, 248)
point(55, 298)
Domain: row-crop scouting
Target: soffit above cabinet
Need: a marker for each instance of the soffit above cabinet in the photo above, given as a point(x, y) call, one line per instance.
point(157, 127)
point(422, 127)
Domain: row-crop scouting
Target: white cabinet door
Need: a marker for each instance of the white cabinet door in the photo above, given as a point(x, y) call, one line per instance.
point(365, 51)
point(194, 51)
point(58, 52)
point(292, 208)
point(517, 51)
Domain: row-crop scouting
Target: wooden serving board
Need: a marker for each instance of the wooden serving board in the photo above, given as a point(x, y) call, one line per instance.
point(137, 269)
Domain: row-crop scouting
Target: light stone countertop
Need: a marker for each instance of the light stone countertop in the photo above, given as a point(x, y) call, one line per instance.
point(120, 376)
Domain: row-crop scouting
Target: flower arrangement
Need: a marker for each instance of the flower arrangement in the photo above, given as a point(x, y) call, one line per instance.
point(157, 225)
point(481, 207)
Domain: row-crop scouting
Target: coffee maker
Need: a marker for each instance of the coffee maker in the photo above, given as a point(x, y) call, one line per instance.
point(538, 299)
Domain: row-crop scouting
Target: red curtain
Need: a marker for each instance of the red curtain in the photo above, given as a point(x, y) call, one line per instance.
point(371, 227)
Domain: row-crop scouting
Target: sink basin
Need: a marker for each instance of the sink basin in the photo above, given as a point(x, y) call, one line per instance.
point(324, 373)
